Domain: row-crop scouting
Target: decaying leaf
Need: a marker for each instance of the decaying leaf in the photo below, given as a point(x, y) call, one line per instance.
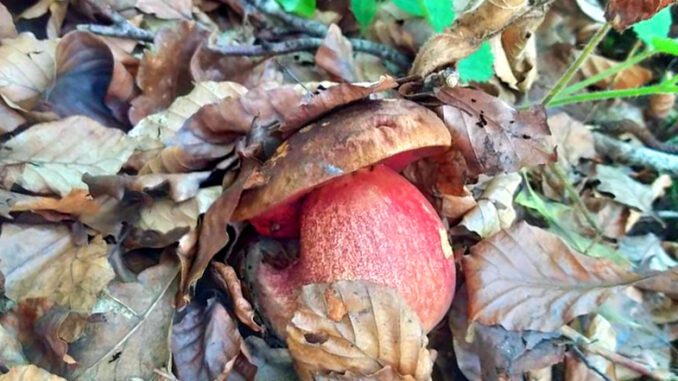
point(271, 363)
point(165, 215)
point(494, 210)
point(44, 261)
point(527, 278)
point(227, 279)
point(169, 9)
point(163, 73)
point(335, 55)
point(7, 28)
point(602, 333)
point(27, 68)
point(623, 188)
point(205, 342)
point(492, 136)
point(186, 158)
point(52, 157)
point(573, 139)
point(633, 77)
point(129, 339)
point(11, 353)
point(9, 119)
point(180, 187)
point(77, 203)
point(376, 331)
point(29, 373)
point(623, 13)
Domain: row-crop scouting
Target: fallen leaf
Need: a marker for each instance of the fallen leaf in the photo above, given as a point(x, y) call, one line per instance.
point(162, 73)
point(165, 215)
point(9, 119)
point(228, 281)
point(379, 332)
point(330, 98)
point(623, 13)
point(271, 363)
point(52, 157)
point(11, 352)
point(77, 203)
point(169, 9)
point(7, 28)
point(492, 136)
point(647, 251)
point(488, 352)
point(630, 78)
point(573, 139)
point(602, 333)
point(623, 188)
point(43, 261)
point(494, 210)
point(129, 339)
point(27, 68)
point(526, 278)
point(186, 158)
point(84, 69)
point(335, 55)
point(207, 65)
point(205, 342)
point(180, 187)
point(29, 373)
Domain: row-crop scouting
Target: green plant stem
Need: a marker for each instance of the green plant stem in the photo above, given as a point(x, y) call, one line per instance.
point(573, 195)
point(662, 88)
point(606, 73)
point(583, 56)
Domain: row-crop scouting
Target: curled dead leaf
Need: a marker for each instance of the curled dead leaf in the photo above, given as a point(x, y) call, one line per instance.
point(494, 210)
point(77, 203)
point(492, 136)
point(623, 13)
point(335, 55)
point(377, 333)
point(227, 279)
point(205, 342)
point(180, 187)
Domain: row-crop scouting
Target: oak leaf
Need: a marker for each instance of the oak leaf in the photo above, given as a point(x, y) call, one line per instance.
point(376, 332)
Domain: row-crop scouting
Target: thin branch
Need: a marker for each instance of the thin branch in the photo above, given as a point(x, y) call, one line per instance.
point(573, 195)
point(641, 132)
point(121, 27)
point(587, 345)
point(588, 364)
point(662, 88)
point(572, 70)
point(635, 155)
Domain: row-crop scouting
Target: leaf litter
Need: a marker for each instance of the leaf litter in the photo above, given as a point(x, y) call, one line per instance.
point(131, 129)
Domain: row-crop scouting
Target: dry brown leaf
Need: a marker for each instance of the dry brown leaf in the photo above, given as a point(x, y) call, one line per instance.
point(378, 330)
point(7, 28)
point(167, 9)
point(328, 99)
point(27, 68)
point(44, 261)
point(52, 157)
point(163, 73)
point(494, 210)
point(335, 55)
point(492, 136)
point(624, 189)
point(212, 235)
point(227, 279)
point(129, 338)
point(9, 119)
point(77, 203)
point(186, 158)
point(29, 373)
point(180, 187)
point(165, 215)
point(631, 78)
point(602, 333)
point(573, 139)
point(623, 13)
point(466, 35)
point(527, 278)
point(205, 342)
point(207, 65)
point(57, 10)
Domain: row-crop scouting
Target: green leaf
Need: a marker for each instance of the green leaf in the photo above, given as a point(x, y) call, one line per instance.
point(438, 13)
point(304, 8)
point(364, 11)
point(657, 26)
point(666, 45)
point(478, 66)
point(412, 7)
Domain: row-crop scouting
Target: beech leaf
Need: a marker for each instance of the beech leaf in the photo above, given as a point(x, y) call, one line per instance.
point(205, 342)
point(29, 373)
point(525, 278)
point(167, 9)
point(52, 157)
point(180, 187)
point(356, 329)
point(44, 262)
point(492, 136)
point(494, 210)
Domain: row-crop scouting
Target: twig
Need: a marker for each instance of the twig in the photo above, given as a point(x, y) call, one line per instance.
point(641, 132)
point(587, 345)
point(318, 29)
point(121, 27)
point(583, 56)
point(310, 43)
point(628, 153)
point(588, 364)
point(573, 195)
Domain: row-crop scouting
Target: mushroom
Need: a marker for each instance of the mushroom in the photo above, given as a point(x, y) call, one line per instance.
point(334, 184)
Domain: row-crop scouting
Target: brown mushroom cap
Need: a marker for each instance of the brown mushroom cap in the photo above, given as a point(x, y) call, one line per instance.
point(358, 136)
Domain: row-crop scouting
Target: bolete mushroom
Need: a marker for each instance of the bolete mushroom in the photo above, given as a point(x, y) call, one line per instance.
point(335, 185)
